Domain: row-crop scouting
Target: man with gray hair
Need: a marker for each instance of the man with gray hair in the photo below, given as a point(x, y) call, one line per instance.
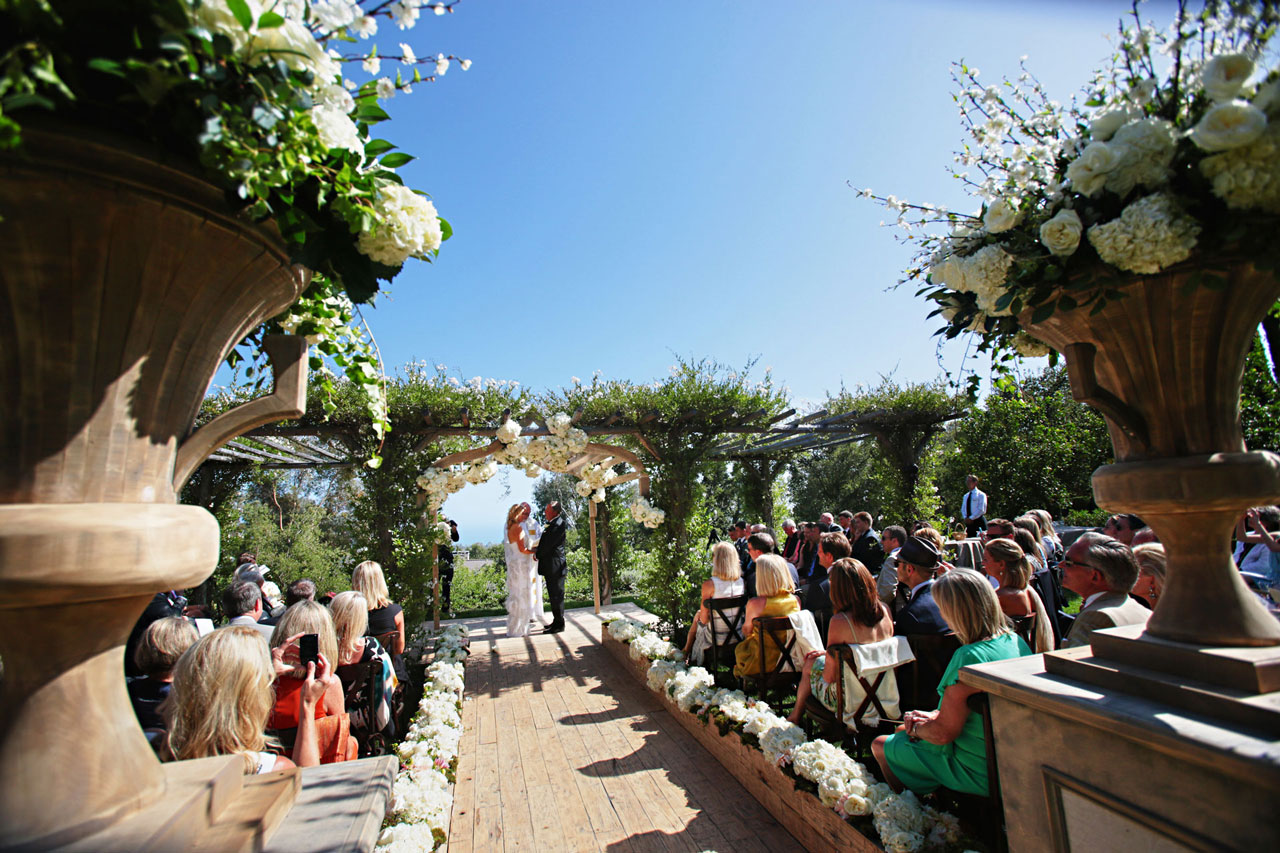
point(242, 605)
point(1102, 571)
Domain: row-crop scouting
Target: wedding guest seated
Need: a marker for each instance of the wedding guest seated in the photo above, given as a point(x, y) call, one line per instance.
point(791, 545)
point(725, 582)
point(1009, 565)
point(917, 564)
point(300, 590)
point(162, 604)
point(831, 547)
point(864, 546)
point(808, 565)
point(999, 528)
point(1102, 571)
point(1145, 536)
point(1258, 543)
point(384, 616)
point(1150, 558)
point(221, 698)
point(887, 587)
point(1029, 541)
point(242, 605)
point(1048, 536)
point(860, 618)
point(1122, 527)
point(946, 747)
point(775, 596)
point(350, 621)
point(762, 543)
point(305, 617)
point(162, 644)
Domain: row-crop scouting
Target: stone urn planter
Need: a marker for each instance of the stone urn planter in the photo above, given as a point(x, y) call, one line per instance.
point(124, 283)
point(1164, 365)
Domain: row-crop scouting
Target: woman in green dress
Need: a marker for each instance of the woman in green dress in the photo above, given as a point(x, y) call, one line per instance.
point(946, 747)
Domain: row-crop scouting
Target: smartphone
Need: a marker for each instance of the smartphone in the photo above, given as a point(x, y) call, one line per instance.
point(309, 649)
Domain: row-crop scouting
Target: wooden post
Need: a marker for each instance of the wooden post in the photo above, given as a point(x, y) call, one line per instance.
point(595, 565)
point(435, 572)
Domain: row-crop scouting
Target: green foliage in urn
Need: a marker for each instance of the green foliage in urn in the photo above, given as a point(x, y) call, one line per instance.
point(250, 93)
point(1172, 159)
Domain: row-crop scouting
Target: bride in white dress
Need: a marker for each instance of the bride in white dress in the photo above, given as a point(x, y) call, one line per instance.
point(533, 532)
point(520, 573)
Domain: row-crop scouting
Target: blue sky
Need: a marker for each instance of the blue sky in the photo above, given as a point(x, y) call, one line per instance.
point(631, 180)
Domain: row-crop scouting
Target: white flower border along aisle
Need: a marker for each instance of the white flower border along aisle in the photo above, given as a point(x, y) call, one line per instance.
point(840, 783)
point(422, 801)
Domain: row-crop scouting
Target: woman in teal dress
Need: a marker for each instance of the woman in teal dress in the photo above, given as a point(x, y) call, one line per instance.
point(946, 747)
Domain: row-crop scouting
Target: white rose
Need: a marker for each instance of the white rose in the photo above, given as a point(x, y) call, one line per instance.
point(1000, 216)
point(1104, 126)
point(1224, 76)
point(1144, 150)
point(336, 129)
point(1229, 125)
point(948, 272)
point(1088, 172)
point(336, 97)
point(1267, 98)
point(1061, 234)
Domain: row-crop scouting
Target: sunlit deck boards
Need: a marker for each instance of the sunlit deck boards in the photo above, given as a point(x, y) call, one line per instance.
point(563, 751)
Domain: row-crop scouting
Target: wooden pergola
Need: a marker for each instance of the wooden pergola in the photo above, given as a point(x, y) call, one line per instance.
point(750, 439)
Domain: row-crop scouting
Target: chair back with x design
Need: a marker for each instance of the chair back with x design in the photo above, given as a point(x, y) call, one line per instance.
point(728, 616)
point(776, 635)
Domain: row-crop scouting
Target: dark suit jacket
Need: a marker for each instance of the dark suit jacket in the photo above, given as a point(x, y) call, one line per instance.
point(818, 597)
point(866, 550)
point(550, 551)
point(808, 566)
point(744, 557)
point(921, 615)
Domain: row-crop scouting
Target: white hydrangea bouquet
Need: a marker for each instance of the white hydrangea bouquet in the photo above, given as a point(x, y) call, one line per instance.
point(1171, 163)
point(253, 93)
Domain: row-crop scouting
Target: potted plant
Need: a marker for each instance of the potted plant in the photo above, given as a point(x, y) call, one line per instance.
point(1135, 235)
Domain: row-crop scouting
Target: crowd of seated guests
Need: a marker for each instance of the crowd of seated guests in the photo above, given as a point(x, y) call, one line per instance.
point(254, 687)
point(865, 587)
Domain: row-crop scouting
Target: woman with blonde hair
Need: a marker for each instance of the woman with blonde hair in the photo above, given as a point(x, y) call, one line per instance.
point(1151, 561)
point(946, 747)
point(725, 582)
point(305, 617)
point(350, 621)
point(221, 699)
point(775, 596)
point(385, 616)
point(1007, 562)
point(1048, 535)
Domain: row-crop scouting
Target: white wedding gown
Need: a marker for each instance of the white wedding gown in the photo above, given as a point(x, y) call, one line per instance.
point(524, 592)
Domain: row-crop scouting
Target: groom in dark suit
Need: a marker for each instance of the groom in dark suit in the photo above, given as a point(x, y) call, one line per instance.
point(552, 564)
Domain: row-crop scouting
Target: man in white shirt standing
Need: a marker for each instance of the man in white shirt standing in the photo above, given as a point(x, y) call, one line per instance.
point(973, 508)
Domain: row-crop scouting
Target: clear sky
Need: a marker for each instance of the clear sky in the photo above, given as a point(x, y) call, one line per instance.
point(631, 180)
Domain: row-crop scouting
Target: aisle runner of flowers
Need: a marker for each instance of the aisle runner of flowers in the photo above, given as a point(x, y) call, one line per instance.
point(422, 801)
point(903, 823)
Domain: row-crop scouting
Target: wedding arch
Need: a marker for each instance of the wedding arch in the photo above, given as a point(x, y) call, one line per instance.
point(570, 451)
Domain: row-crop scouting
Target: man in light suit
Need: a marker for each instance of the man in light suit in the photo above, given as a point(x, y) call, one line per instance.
point(1102, 570)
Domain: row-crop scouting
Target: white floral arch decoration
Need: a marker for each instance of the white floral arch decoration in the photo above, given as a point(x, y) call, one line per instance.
point(561, 448)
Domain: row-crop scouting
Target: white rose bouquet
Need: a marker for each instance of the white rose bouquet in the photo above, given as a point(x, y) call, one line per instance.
point(1173, 157)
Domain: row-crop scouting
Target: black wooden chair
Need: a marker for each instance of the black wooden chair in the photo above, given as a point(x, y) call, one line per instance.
point(774, 632)
point(833, 725)
point(918, 680)
point(728, 617)
point(1025, 627)
point(362, 695)
point(984, 814)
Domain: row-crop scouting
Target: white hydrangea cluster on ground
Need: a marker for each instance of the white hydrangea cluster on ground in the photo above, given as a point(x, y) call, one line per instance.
point(422, 799)
point(844, 785)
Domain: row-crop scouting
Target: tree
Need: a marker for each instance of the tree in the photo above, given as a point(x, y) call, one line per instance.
point(1032, 446)
point(1260, 392)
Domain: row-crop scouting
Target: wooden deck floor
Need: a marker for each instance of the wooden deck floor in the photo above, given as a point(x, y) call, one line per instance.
point(563, 751)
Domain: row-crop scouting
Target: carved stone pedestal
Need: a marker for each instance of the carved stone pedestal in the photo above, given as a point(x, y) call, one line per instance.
point(1129, 765)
